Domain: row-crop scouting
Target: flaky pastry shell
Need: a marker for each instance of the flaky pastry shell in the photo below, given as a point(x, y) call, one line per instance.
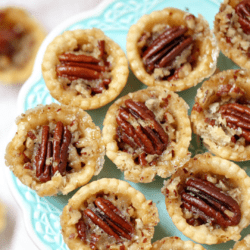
point(84, 153)
point(232, 40)
point(175, 243)
point(227, 176)
point(170, 112)
point(19, 70)
point(243, 244)
point(79, 94)
point(231, 86)
point(142, 214)
point(3, 216)
point(206, 51)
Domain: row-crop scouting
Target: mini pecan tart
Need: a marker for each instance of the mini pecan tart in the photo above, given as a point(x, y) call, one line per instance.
point(171, 48)
point(3, 216)
point(221, 112)
point(208, 199)
point(57, 148)
point(20, 37)
point(175, 243)
point(147, 133)
point(109, 214)
point(243, 244)
point(84, 68)
point(232, 31)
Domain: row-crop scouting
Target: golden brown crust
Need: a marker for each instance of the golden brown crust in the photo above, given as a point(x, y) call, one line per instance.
point(213, 167)
point(198, 29)
point(217, 138)
point(177, 127)
point(243, 244)
point(85, 136)
point(3, 216)
point(144, 213)
point(69, 41)
point(175, 243)
point(13, 73)
point(232, 41)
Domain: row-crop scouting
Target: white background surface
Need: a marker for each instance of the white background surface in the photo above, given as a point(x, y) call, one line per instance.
point(49, 13)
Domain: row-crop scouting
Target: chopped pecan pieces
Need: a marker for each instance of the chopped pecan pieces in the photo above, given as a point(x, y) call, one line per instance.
point(197, 107)
point(139, 129)
point(243, 11)
point(228, 89)
point(58, 151)
point(210, 204)
point(164, 49)
point(108, 218)
point(80, 66)
point(31, 135)
point(94, 239)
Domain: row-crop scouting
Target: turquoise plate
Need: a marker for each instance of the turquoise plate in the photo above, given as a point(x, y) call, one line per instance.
point(42, 215)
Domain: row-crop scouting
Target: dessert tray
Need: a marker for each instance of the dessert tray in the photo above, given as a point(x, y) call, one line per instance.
point(114, 18)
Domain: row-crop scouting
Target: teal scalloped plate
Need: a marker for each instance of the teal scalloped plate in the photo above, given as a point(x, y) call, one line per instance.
point(42, 215)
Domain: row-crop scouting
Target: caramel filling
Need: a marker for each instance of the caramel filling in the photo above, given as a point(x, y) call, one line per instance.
point(85, 70)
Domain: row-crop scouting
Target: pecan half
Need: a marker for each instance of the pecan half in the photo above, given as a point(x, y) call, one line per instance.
point(237, 116)
point(46, 175)
point(145, 133)
point(79, 72)
point(58, 134)
point(104, 205)
point(42, 152)
point(210, 204)
point(81, 229)
point(243, 11)
point(51, 157)
point(166, 47)
point(80, 66)
point(108, 218)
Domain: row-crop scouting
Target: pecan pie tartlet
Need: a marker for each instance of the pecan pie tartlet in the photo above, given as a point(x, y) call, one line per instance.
point(147, 133)
point(56, 149)
point(109, 214)
point(84, 68)
point(232, 31)
point(3, 216)
point(20, 37)
point(243, 244)
point(171, 48)
point(175, 243)
point(221, 112)
point(208, 199)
